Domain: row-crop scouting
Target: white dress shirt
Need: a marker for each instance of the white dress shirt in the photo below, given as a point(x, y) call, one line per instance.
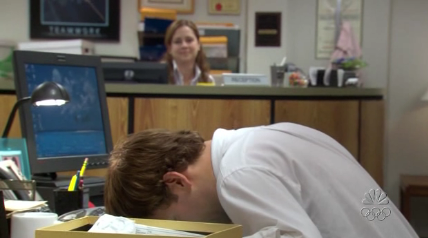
point(178, 77)
point(287, 180)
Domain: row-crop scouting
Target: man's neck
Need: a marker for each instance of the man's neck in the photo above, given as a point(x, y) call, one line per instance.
point(205, 182)
point(208, 165)
point(187, 71)
point(202, 169)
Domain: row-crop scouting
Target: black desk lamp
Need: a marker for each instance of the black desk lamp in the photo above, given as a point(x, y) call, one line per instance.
point(46, 94)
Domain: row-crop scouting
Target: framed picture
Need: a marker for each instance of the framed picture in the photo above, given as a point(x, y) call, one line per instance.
point(93, 20)
point(11, 166)
point(268, 29)
point(224, 7)
point(12, 157)
point(14, 150)
point(181, 6)
point(326, 29)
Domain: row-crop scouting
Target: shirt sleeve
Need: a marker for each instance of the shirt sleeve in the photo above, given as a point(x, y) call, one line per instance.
point(258, 200)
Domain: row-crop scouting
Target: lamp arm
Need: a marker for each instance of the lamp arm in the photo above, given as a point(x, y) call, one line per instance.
point(12, 115)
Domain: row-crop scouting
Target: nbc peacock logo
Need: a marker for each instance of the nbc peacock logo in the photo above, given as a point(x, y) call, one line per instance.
point(376, 201)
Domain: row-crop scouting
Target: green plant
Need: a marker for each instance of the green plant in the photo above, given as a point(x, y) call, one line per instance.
point(350, 63)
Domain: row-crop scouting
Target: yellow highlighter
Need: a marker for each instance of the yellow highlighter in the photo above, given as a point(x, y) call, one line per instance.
point(205, 84)
point(72, 183)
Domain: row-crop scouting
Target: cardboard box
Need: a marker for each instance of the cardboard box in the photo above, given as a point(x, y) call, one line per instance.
point(78, 229)
point(169, 14)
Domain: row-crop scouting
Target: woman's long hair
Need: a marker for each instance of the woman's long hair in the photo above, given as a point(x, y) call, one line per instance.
point(201, 59)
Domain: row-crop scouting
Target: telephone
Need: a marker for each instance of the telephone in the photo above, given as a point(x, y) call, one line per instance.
point(94, 211)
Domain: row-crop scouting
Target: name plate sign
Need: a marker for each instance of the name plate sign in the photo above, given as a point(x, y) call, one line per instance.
point(246, 79)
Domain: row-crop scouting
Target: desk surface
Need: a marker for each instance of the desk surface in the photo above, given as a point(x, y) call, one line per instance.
point(250, 91)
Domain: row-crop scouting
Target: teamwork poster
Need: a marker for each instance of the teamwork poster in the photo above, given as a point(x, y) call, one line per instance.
point(71, 19)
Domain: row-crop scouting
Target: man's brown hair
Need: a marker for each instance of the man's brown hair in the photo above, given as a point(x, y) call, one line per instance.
point(134, 186)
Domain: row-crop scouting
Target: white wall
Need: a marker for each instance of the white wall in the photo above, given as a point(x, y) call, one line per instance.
point(408, 81)
point(260, 58)
point(14, 17)
point(301, 35)
point(14, 25)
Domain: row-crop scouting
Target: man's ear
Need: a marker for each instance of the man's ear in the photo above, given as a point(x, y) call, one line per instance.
point(176, 180)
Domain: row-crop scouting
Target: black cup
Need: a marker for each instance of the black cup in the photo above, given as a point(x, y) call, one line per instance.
point(67, 201)
point(320, 78)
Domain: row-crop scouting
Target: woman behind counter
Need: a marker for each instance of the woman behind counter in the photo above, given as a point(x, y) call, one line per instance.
point(185, 57)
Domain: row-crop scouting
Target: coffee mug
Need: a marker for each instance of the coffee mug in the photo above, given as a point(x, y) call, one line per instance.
point(24, 225)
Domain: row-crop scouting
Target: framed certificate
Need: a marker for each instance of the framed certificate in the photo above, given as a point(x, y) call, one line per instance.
point(181, 6)
point(224, 7)
point(351, 11)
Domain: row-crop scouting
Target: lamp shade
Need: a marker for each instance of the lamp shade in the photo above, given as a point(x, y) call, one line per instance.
point(49, 94)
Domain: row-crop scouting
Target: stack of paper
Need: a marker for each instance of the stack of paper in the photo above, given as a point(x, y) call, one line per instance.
point(214, 46)
point(15, 206)
point(112, 224)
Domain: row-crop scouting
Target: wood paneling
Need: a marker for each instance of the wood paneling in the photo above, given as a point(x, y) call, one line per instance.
point(202, 115)
point(356, 124)
point(6, 105)
point(372, 138)
point(118, 114)
point(338, 119)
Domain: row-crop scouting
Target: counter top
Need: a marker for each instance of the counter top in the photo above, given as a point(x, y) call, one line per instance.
point(248, 91)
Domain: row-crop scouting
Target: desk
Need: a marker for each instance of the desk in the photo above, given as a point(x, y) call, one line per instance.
point(411, 186)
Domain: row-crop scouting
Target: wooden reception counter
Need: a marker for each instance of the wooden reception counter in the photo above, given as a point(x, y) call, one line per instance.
point(352, 116)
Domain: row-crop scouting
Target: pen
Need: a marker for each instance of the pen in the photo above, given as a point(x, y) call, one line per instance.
point(76, 184)
point(82, 172)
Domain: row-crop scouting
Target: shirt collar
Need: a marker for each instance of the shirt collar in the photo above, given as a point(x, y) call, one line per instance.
point(178, 77)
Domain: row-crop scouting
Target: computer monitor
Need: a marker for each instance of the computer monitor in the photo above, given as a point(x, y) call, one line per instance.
point(60, 138)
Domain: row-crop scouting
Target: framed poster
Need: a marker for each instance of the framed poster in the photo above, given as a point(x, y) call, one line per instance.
point(97, 20)
point(181, 6)
point(268, 29)
point(224, 7)
point(351, 11)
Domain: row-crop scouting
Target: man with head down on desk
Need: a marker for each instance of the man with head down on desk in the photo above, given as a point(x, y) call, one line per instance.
point(280, 180)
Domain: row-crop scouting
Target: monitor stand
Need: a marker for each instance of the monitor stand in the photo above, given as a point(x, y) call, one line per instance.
point(46, 184)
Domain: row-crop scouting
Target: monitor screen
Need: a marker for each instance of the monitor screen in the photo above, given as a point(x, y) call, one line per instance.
point(59, 138)
point(75, 128)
